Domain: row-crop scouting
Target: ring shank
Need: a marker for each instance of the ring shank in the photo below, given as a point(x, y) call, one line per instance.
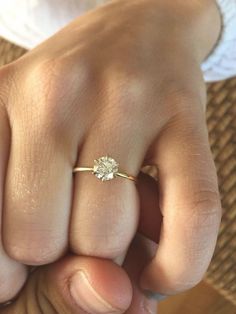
point(126, 176)
point(118, 174)
point(77, 169)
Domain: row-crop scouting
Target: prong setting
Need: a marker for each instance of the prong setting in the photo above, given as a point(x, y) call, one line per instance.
point(105, 168)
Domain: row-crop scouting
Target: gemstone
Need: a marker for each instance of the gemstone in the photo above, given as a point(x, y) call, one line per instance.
point(105, 168)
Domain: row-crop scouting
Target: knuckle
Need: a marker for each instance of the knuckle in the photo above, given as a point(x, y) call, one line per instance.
point(207, 203)
point(181, 284)
point(203, 212)
point(58, 84)
point(133, 86)
point(104, 235)
point(99, 246)
point(61, 74)
point(60, 70)
point(130, 91)
point(35, 253)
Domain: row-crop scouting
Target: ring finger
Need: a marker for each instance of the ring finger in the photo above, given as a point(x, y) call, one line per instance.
point(105, 214)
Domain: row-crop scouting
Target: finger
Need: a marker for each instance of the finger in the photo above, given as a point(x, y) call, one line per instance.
point(150, 215)
point(105, 214)
point(39, 179)
point(190, 204)
point(141, 251)
point(76, 285)
point(12, 274)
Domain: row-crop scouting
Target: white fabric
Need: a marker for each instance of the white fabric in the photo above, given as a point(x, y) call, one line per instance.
point(28, 22)
point(221, 64)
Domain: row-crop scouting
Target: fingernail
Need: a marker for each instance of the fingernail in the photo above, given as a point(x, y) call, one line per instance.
point(87, 298)
point(154, 295)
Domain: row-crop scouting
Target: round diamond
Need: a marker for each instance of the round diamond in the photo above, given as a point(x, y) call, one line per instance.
point(105, 168)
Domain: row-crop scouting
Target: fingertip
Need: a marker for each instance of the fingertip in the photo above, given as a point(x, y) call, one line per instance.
point(111, 281)
point(96, 285)
point(88, 298)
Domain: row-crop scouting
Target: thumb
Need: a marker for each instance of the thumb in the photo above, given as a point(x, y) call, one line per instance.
point(75, 285)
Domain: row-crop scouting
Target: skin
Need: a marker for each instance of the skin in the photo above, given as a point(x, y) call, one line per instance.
point(130, 68)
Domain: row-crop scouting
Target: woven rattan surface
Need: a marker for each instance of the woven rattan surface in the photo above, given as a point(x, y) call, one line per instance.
point(9, 52)
point(221, 121)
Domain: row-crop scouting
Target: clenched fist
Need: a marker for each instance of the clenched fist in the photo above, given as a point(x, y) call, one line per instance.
point(123, 80)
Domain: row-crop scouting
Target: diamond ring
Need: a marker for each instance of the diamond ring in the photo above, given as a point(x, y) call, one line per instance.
point(105, 168)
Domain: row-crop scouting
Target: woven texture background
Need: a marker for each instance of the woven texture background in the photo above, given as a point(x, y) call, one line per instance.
point(221, 121)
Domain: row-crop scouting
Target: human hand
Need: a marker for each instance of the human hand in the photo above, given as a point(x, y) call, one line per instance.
point(113, 71)
point(54, 288)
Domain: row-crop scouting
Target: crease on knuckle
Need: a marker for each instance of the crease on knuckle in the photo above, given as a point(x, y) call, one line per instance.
point(33, 253)
point(207, 203)
point(202, 220)
point(100, 245)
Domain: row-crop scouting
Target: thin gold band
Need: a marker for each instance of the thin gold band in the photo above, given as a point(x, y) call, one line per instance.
point(118, 174)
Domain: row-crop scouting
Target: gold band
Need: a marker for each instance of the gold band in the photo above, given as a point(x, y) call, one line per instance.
point(105, 168)
point(77, 169)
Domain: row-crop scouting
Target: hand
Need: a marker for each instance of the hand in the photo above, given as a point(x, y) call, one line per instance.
point(122, 80)
point(59, 287)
